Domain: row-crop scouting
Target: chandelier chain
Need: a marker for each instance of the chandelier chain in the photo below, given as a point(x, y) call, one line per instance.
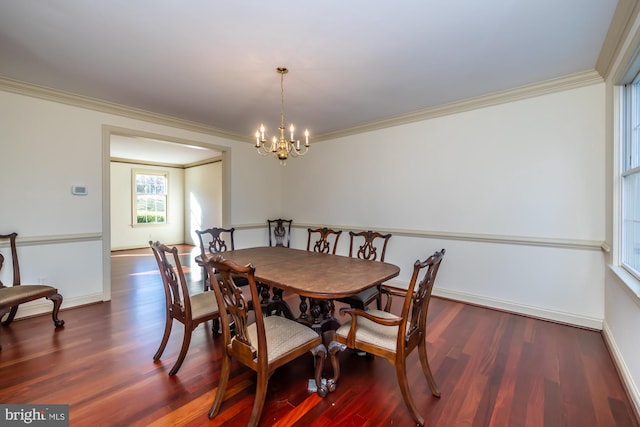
point(282, 99)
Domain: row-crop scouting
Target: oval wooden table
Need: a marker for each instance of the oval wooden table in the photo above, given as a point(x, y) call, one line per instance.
point(316, 276)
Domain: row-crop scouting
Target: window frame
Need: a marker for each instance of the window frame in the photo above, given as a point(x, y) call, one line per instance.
point(134, 196)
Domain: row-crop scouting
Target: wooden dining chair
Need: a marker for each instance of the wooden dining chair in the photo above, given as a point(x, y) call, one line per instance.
point(280, 232)
point(263, 345)
point(18, 293)
point(212, 241)
point(394, 337)
point(189, 309)
point(325, 240)
point(371, 246)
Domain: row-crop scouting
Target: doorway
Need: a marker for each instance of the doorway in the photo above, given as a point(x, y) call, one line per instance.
point(188, 163)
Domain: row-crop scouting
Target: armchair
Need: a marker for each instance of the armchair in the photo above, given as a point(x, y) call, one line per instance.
point(12, 296)
point(394, 337)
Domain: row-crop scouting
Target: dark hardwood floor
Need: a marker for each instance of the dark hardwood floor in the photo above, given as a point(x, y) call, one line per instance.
point(493, 368)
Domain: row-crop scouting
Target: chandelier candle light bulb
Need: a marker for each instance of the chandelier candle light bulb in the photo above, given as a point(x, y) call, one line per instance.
point(282, 147)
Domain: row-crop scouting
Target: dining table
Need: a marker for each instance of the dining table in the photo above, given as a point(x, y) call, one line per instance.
point(318, 278)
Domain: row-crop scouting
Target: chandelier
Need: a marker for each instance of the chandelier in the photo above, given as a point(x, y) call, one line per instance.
point(281, 147)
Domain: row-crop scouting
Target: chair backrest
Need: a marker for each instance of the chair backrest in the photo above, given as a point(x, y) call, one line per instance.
point(323, 243)
point(280, 231)
point(14, 258)
point(416, 303)
point(372, 241)
point(175, 286)
point(234, 307)
point(214, 240)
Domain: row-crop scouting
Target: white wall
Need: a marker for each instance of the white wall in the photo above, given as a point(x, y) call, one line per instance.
point(530, 171)
point(126, 236)
point(202, 199)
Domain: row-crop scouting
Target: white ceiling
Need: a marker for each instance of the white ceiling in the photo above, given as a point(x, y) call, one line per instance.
point(351, 62)
point(157, 151)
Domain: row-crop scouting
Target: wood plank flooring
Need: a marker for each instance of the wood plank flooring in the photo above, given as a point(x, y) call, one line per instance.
point(493, 368)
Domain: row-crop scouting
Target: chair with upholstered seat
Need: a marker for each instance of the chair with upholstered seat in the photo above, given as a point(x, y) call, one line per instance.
point(371, 246)
point(212, 241)
point(325, 240)
point(280, 232)
point(264, 345)
point(189, 309)
point(12, 296)
point(394, 337)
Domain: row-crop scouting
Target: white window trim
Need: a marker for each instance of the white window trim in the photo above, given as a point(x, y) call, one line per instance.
point(630, 282)
point(134, 213)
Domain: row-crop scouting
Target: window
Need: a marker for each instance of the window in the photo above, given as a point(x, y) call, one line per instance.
point(150, 197)
point(630, 175)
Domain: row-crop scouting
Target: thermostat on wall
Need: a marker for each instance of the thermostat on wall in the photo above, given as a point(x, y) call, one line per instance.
point(79, 190)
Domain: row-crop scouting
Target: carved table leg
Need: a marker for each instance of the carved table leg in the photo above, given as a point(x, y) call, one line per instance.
point(303, 308)
point(320, 354)
point(334, 348)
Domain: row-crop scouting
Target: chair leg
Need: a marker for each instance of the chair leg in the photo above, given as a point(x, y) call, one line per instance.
point(215, 327)
point(186, 340)
point(424, 361)
point(205, 280)
point(401, 373)
point(258, 403)
point(57, 302)
point(12, 314)
point(165, 338)
point(222, 385)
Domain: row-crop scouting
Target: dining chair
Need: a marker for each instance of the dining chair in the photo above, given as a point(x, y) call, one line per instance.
point(212, 241)
point(262, 345)
point(372, 246)
point(280, 232)
point(325, 240)
point(189, 309)
point(394, 337)
point(12, 296)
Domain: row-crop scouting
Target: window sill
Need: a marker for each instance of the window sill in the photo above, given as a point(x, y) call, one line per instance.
point(629, 282)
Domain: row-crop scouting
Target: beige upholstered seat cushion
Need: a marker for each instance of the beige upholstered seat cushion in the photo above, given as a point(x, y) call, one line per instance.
point(203, 304)
point(13, 295)
point(373, 333)
point(283, 335)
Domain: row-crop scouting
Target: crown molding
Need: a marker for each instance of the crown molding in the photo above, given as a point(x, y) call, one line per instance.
point(28, 89)
point(621, 24)
point(572, 81)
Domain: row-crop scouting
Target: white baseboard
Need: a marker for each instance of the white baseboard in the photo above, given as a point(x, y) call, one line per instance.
point(44, 306)
point(626, 377)
point(541, 313)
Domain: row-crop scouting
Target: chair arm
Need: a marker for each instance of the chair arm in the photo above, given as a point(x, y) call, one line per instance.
point(389, 292)
point(354, 312)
